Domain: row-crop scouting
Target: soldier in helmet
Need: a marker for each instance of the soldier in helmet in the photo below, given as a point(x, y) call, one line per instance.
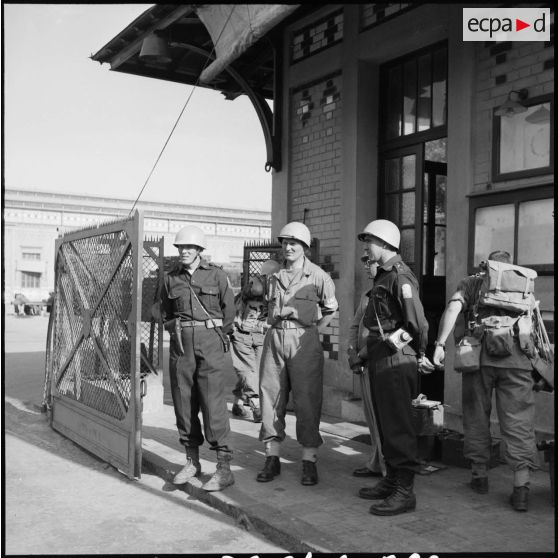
point(250, 325)
point(396, 345)
point(292, 358)
point(197, 306)
point(358, 361)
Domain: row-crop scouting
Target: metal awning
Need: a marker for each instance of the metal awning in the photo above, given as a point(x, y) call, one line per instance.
point(189, 32)
point(235, 48)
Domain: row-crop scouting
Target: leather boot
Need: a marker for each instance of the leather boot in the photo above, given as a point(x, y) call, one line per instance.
point(256, 412)
point(381, 489)
point(272, 468)
point(401, 500)
point(239, 410)
point(191, 469)
point(223, 476)
point(309, 473)
point(519, 498)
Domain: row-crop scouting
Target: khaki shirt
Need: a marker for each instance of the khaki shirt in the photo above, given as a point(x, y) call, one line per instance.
point(213, 290)
point(300, 295)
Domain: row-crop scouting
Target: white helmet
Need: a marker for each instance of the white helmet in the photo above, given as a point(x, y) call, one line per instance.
point(269, 267)
point(384, 230)
point(297, 231)
point(190, 235)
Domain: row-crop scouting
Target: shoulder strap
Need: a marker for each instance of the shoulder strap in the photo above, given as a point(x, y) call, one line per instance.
point(382, 334)
point(217, 329)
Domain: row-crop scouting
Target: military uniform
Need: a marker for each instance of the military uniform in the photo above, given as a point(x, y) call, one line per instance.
point(247, 339)
point(357, 340)
point(197, 376)
point(510, 377)
point(394, 374)
point(292, 358)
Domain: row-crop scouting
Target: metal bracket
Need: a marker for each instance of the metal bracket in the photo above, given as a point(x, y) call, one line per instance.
point(265, 115)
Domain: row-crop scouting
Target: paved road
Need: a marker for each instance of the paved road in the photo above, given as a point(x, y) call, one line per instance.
point(59, 499)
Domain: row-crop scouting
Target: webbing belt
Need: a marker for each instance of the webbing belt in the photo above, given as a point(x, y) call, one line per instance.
point(209, 324)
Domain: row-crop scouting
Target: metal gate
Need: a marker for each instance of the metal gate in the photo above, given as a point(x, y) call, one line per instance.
point(102, 338)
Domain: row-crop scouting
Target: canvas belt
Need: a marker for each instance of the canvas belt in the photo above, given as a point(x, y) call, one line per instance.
point(289, 324)
point(209, 324)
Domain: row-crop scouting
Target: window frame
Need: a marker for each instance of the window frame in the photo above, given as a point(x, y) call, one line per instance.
point(515, 197)
point(27, 275)
point(423, 136)
point(497, 176)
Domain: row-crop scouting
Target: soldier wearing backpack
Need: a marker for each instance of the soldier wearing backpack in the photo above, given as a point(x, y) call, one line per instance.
point(499, 315)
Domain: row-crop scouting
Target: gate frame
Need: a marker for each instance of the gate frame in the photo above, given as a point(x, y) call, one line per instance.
point(117, 442)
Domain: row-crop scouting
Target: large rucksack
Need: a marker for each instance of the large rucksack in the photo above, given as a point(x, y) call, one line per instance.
point(508, 287)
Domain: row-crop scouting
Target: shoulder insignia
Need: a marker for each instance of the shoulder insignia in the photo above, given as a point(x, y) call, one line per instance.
point(406, 290)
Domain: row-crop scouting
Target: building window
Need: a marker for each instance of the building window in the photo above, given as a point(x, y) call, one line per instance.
point(520, 222)
point(30, 280)
point(523, 141)
point(28, 255)
point(414, 90)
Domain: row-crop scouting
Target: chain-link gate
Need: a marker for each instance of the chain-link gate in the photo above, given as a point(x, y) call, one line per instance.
point(102, 338)
point(256, 253)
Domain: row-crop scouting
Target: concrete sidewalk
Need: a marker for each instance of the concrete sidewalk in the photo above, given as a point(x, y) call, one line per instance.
point(329, 517)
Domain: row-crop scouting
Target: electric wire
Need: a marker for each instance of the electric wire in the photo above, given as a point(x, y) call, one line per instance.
point(181, 112)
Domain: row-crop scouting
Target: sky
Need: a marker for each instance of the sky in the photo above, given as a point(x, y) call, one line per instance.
point(73, 126)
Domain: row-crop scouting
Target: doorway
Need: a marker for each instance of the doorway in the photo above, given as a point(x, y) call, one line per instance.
point(413, 195)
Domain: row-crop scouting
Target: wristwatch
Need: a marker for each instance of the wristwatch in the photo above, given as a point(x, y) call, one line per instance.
point(440, 344)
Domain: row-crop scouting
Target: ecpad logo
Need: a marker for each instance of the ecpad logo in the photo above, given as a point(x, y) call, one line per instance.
point(506, 24)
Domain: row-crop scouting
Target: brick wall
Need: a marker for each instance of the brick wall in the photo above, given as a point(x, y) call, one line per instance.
point(501, 68)
point(315, 174)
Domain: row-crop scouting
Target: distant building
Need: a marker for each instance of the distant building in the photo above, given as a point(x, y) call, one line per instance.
point(34, 219)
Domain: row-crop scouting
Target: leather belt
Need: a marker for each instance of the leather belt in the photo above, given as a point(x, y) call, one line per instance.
point(247, 331)
point(209, 324)
point(289, 324)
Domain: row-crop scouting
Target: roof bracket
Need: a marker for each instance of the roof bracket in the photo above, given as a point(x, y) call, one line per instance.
point(265, 114)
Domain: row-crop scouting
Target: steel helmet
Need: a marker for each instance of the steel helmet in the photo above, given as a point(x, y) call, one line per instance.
point(190, 235)
point(269, 267)
point(297, 231)
point(384, 230)
point(256, 287)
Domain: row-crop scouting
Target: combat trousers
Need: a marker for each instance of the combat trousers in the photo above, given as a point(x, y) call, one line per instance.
point(292, 360)
point(515, 405)
point(197, 383)
point(246, 355)
point(376, 459)
point(394, 383)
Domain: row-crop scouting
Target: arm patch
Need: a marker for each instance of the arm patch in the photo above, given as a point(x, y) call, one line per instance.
point(406, 290)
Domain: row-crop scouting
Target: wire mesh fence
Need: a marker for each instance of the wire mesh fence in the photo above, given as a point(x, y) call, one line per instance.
point(89, 350)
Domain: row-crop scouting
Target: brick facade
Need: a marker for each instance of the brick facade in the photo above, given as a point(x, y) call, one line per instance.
point(315, 174)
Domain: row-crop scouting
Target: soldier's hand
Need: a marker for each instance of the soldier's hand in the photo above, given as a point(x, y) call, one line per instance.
point(439, 356)
point(357, 369)
point(424, 365)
